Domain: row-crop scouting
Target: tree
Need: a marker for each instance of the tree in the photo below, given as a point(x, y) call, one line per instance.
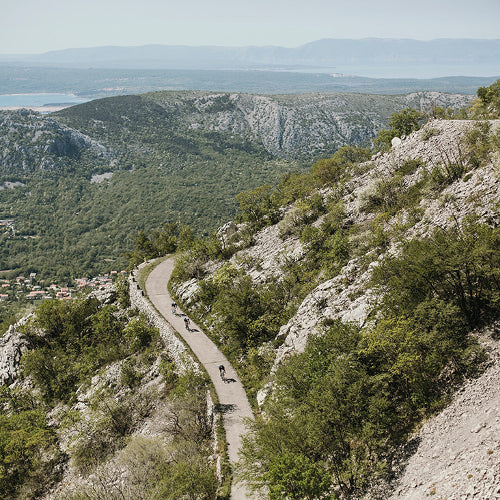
point(256, 205)
point(296, 477)
point(28, 451)
point(138, 333)
point(319, 425)
point(460, 266)
point(406, 121)
point(403, 123)
point(330, 170)
point(489, 101)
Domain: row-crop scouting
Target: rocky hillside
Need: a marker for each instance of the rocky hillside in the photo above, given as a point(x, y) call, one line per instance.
point(291, 126)
point(116, 409)
point(345, 296)
point(288, 126)
point(458, 450)
point(298, 126)
point(478, 192)
point(31, 143)
point(433, 182)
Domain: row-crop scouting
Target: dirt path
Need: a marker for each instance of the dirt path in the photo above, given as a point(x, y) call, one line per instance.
point(232, 397)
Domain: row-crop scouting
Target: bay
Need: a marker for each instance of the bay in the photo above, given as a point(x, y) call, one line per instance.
point(39, 100)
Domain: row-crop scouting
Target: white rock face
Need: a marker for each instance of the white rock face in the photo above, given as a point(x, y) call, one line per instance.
point(45, 135)
point(264, 259)
point(346, 297)
point(333, 299)
point(12, 346)
point(304, 125)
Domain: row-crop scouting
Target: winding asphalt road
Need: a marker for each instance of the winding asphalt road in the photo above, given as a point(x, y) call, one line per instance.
point(232, 397)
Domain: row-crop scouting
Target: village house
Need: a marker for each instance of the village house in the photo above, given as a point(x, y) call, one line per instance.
point(36, 291)
point(37, 294)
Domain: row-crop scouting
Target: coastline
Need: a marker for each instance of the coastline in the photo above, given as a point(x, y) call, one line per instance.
point(40, 93)
point(43, 102)
point(39, 109)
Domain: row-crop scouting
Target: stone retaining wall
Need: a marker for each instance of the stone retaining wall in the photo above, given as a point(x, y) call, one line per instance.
point(176, 348)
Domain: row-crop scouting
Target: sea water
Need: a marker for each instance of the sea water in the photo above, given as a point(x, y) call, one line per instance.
point(38, 100)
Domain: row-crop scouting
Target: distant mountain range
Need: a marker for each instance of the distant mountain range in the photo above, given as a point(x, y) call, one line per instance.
point(368, 57)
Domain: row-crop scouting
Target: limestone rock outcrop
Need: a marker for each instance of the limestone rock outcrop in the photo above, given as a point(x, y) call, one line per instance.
point(305, 125)
point(36, 142)
point(12, 346)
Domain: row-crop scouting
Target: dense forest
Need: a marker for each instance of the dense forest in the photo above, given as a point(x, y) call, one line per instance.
point(67, 226)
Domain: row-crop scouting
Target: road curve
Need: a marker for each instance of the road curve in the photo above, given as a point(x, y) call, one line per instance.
point(231, 394)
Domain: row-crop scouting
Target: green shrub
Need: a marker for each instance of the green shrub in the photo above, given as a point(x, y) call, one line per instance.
point(29, 450)
point(382, 195)
point(256, 206)
point(403, 123)
point(167, 371)
point(446, 173)
point(188, 479)
point(139, 333)
point(488, 103)
point(479, 143)
point(128, 374)
point(78, 337)
point(296, 476)
point(303, 212)
point(429, 132)
point(107, 427)
point(328, 172)
point(410, 166)
point(122, 290)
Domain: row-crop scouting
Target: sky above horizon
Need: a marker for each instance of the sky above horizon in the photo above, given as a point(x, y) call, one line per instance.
point(33, 26)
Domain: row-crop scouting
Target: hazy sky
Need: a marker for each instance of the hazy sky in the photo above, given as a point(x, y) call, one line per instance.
point(35, 26)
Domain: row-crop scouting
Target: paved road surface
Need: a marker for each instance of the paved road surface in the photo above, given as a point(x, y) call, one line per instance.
point(232, 396)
